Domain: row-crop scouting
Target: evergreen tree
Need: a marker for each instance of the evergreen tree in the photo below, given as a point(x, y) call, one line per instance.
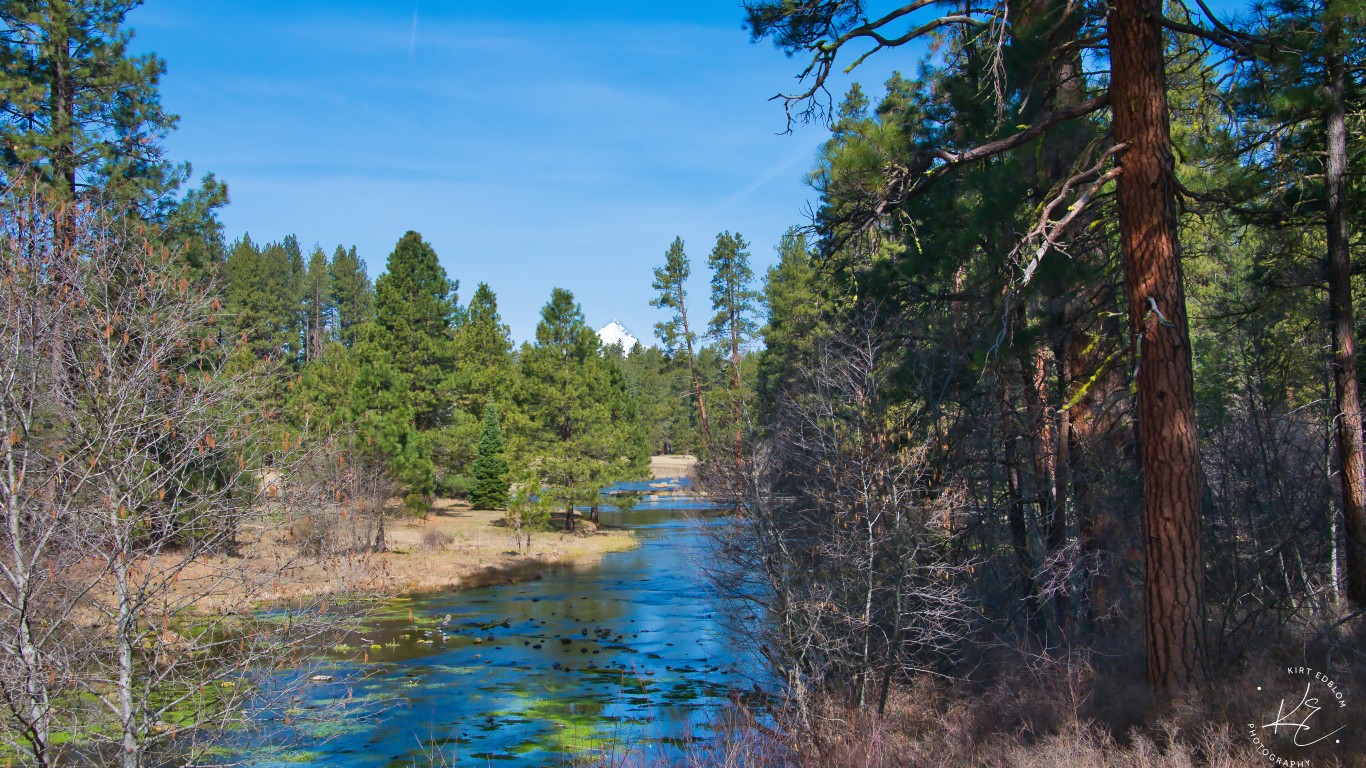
point(671, 282)
point(82, 119)
point(415, 311)
point(192, 227)
point(793, 297)
point(281, 299)
point(353, 296)
point(317, 305)
point(490, 469)
point(577, 429)
point(244, 284)
point(661, 387)
point(1048, 50)
point(323, 398)
point(385, 421)
point(483, 353)
point(735, 323)
point(1307, 99)
point(80, 112)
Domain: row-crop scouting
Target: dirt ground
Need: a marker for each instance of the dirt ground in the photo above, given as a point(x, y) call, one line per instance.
point(672, 465)
point(454, 547)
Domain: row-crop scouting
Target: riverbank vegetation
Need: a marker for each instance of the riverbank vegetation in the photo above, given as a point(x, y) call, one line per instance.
point(1044, 437)
point(1056, 453)
point(194, 428)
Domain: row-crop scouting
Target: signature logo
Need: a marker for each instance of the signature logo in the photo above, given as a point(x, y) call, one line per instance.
point(1305, 718)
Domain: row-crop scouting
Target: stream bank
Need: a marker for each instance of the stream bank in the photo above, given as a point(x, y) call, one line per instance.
point(452, 548)
point(583, 662)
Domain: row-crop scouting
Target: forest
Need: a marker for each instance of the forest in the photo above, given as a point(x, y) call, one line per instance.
point(1040, 443)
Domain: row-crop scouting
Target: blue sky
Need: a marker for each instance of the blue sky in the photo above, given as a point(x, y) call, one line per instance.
point(535, 146)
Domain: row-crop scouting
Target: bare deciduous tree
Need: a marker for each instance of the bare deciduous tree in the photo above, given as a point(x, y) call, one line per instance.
point(130, 461)
point(842, 559)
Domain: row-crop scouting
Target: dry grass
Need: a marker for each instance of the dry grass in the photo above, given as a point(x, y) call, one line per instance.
point(454, 547)
point(1017, 724)
point(1080, 709)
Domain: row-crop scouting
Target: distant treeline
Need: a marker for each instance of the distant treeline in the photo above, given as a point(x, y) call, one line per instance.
point(408, 371)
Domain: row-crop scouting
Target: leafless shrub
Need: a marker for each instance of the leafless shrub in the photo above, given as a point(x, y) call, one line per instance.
point(339, 504)
point(1272, 529)
point(1037, 712)
point(840, 568)
point(436, 541)
point(128, 459)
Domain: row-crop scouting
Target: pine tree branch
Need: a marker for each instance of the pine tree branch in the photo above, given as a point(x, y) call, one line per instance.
point(908, 181)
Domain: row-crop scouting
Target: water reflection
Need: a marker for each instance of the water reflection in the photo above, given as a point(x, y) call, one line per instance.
point(626, 653)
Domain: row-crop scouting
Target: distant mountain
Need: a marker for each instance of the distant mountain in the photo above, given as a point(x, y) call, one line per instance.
point(616, 333)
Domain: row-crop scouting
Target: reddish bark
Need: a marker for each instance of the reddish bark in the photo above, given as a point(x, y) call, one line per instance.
point(1347, 400)
point(1168, 453)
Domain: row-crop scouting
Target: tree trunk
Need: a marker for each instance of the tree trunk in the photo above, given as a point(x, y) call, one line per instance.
point(130, 753)
point(1091, 453)
point(1049, 479)
point(692, 366)
point(1056, 83)
point(1057, 521)
point(63, 127)
point(1346, 399)
point(735, 366)
point(1019, 542)
point(1168, 454)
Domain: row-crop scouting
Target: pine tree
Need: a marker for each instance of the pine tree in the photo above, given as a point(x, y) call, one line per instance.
point(80, 111)
point(490, 469)
point(353, 297)
point(661, 387)
point(1135, 93)
point(1308, 99)
point(385, 419)
point(736, 304)
point(483, 353)
point(281, 297)
point(415, 311)
point(578, 430)
point(243, 290)
point(792, 295)
point(1339, 49)
point(317, 305)
point(193, 229)
point(671, 281)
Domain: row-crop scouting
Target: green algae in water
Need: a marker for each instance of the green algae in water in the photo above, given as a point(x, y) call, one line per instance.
point(334, 727)
point(531, 705)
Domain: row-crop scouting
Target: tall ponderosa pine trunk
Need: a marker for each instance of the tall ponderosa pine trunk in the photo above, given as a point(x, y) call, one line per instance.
point(692, 366)
point(1168, 452)
point(62, 124)
point(735, 382)
point(1347, 403)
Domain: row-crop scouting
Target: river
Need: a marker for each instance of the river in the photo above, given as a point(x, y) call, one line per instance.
point(625, 655)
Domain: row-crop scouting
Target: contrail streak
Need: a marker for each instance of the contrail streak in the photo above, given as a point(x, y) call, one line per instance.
point(412, 41)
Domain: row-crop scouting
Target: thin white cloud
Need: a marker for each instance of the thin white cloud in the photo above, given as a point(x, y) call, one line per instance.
point(412, 39)
point(783, 168)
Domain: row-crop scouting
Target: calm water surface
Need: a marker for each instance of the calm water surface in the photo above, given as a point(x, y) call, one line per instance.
point(625, 655)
